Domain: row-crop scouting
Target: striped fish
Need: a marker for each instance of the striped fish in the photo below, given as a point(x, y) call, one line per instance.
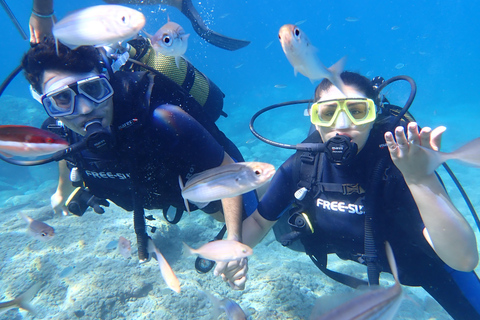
point(225, 181)
point(382, 303)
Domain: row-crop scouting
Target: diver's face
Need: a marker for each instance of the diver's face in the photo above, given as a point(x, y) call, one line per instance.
point(85, 110)
point(343, 125)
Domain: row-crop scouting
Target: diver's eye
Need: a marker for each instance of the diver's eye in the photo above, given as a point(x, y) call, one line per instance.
point(296, 32)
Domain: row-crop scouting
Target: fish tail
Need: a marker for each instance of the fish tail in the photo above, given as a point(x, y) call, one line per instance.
point(180, 182)
point(391, 260)
point(215, 303)
point(25, 217)
point(187, 250)
point(335, 71)
point(22, 301)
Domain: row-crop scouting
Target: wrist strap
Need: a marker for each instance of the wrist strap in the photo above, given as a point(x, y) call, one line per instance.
point(42, 15)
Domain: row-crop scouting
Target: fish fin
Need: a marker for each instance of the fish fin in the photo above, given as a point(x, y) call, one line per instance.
point(468, 153)
point(335, 71)
point(391, 260)
point(185, 201)
point(295, 71)
point(25, 217)
point(147, 34)
point(201, 205)
point(177, 61)
point(216, 303)
point(23, 300)
point(187, 251)
point(5, 154)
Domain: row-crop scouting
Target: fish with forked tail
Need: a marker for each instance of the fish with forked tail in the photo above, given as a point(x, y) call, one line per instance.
point(22, 301)
point(380, 303)
point(302, 55)
point(231, 308)
point(167, 273)
point(38, 229)
point(225, 181)
point(98, 26)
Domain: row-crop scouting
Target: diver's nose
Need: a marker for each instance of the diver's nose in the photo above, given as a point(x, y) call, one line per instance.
point(83, 105)
point(343, 121)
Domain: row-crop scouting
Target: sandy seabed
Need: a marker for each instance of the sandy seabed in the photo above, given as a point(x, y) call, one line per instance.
point(85, 277)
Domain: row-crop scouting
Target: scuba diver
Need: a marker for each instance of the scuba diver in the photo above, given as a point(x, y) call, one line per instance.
point(42, 19)
point(370, 187)
point(138, 140)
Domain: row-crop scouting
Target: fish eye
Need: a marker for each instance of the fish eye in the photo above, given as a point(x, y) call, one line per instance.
point(49, 140)
point(125, 19)
point(43, 234)
point(296, 31)
point(166, 39)
point(258, 172)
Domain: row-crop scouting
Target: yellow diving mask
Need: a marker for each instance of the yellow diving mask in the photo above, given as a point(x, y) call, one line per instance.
point(359, 111)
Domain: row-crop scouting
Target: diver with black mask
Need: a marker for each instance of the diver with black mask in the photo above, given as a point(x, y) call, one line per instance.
point(321, 206)
point(134, 141)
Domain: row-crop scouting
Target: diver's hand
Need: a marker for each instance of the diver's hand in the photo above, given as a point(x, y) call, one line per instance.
point(58, 204)
point(40, 28)
point(406, 154)
point(233, 272)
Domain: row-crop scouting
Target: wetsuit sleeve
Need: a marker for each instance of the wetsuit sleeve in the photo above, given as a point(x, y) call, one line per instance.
point(280, 193)
point(179, 133)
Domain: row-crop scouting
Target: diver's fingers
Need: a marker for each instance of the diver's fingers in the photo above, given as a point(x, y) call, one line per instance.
point(425, 137)
point(436, 137)
point(391, 144)
point(220, 269)
point(238, 284)
point(402, 141)
point(412, 132)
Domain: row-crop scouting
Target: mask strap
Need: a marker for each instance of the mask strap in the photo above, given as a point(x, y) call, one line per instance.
point(35, 95)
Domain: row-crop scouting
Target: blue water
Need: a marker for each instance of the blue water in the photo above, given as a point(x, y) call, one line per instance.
point(436, 43)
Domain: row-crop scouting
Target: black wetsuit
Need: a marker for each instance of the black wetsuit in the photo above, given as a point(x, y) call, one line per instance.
point(338, 219)
point(155, 142)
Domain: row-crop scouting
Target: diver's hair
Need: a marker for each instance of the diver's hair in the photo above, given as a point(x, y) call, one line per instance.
point(44, 56)
point(350, 79)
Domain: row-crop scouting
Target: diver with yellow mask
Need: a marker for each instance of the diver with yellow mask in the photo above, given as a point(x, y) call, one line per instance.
point(352, 185)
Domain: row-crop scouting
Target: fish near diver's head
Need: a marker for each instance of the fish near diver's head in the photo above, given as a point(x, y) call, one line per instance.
point(292, 38)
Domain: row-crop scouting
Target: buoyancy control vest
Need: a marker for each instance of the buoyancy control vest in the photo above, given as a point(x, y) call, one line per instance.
point(304, 224)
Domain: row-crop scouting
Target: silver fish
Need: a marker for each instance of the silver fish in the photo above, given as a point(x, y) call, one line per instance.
point(98, 26)
point(22, 301)
point(382, 303)
point(221, 250)
point(225, 182)
point(38, 229)
point(302, 55)
point(171, 40)
point(167, 273)
point(231, 308)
